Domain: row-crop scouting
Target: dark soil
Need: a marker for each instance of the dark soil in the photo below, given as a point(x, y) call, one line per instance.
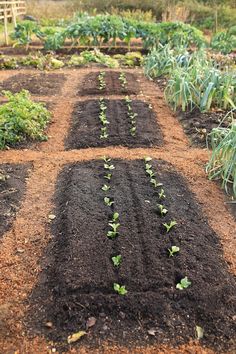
point(90, 85)
point(12, 188)
point(86, 126)
point(198, 125)
point(37, 84)
point(77, 277)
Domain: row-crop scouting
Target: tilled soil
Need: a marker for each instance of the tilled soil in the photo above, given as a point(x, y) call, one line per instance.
point(23, 245)
point(12, 188)
point(90, 85)
point(86, 127)
point(78, 276)
point(39, 84)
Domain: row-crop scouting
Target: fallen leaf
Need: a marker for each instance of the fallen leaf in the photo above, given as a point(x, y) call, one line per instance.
point(75, 337)
point(91, 322)
point(199, 332)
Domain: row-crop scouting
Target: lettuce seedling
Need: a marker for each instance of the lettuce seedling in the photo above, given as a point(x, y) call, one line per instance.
point(183, 284)
point(108, 201)
point(108, 176)
point(120, 289)
point(105, 188)
point(108, 167)
point(148, 166)
point(128, 99)
point(173, 250)
point(169, 226)
point(162, 194)
point(104, 136)
point(117, 260)
point(113, 233)
point(133, 131)
point(106, 159)
point(147, 159)
point(150, 173)
point(115, 217)
point(163, 211)
point(155, 183)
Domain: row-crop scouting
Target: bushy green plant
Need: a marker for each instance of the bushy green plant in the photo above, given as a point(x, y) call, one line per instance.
point(24, 32)
point(224, 42)
point(21, 118)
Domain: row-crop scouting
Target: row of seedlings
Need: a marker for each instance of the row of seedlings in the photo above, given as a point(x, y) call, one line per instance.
point(131, 115)
point(162, 210)
point(103, 119)
point(113, 224)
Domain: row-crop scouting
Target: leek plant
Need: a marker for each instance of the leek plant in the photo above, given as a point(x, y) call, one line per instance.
point(222, 164)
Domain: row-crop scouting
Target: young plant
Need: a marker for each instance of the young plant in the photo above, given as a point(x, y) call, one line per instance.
point(105, 188)
point(162, 209)
point(108, 167)
point(117, 260)
point(133, 131)
point(101, 79)
point(123, 80)
point(120, 289)
point(108, 176)
point(155, 183)
point(162, 194)
point(108, 201)
point(106, 159)
point(170, 225)
point(114, 226)
point(183, 284)
point(147, 159)
point(173, 250)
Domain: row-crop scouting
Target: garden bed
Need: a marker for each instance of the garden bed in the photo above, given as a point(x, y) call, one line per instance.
point(78, 275)
point(12, 188)
point(112, 84)
point(197, 125)
point(37, 84)
point(86, 128)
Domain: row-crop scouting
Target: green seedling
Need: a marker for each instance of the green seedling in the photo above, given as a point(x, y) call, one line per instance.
point(147, 159)
point(169, 226)
point(104, 136)
point(108, 167)
point(123, 80)
point(150, 173)
point(102, 83)
point(183, 284)
point(163, 211)
point(148, 166)
point(162, 194)
point(155, 183)
point(128, 100)
point(114, 225)
point(105, 188)
point(117, 260)
point(133, 131)
point(106, 159)
point(120, 289)
point(108, 176)
point(173, 250)
point(115, 217)
point(108, 201)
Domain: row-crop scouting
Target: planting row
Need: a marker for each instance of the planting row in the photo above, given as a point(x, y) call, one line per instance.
point(98, 123)
point(12, 188)
point(133, 254)
point(109, 82)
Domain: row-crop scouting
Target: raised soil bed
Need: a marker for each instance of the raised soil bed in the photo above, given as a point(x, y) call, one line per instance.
point(78, 275)
point(12, 188)
point(37, 84)
point(86, 127)
point(90, 84)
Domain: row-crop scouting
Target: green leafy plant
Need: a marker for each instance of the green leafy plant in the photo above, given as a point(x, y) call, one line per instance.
point(162, 194)
point(108, 201)
point(117, 260)
point(183, 284)
point(105, 188)
point(155, 183)
point(173, 250)
point(170, 225)
point(162, 209)
point(109, 167)
point(123, 80)
point(101, 80)
point(114, 226)
point(120, 289)
point(21, 119)
point(108, 176)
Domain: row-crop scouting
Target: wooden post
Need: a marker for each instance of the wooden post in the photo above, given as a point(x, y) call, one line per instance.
point(13, 8)
point(5, 25)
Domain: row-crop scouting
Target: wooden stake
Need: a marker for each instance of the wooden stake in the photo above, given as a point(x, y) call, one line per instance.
point(5, 25)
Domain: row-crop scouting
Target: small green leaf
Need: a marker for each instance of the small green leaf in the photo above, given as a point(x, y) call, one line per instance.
point(117, 260)
point(183, 284)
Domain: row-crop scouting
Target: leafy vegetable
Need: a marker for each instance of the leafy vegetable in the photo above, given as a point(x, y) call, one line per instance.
point(170, 226)
point(173, 250)
point(120, 289)
point(117, 260)
point(183, 284)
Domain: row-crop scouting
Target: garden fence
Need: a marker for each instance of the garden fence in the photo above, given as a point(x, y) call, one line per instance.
point(9, 10)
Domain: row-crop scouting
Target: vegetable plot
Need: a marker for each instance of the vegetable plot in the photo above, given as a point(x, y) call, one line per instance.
point(12, 188)
point(37, 84)
point(98, 123)
point(109, 82)
point(174, 282)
